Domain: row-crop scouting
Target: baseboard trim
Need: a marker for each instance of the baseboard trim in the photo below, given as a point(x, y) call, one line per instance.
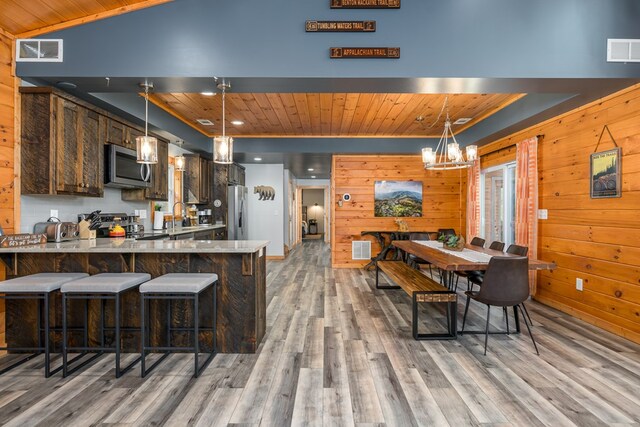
point(275, 257)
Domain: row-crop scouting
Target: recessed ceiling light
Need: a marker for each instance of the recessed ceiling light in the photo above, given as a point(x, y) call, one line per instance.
point(462, 121)
point(313, 176)
point(207, 93)
point(310, 169)
point(257, 159)
point(237, 122)
point(205, 122)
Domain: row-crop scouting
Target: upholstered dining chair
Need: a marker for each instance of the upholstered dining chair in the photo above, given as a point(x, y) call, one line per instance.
point(415, 261)
point(476, 241)
point(476, 277)
point(506, 284)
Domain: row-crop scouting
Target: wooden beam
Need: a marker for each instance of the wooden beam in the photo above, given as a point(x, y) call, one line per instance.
point(91, 18)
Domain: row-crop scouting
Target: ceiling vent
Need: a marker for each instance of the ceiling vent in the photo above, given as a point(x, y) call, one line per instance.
point(623, 50)
point(205, 122)
point(462, 121)
point(361, 249)
point(39, 50)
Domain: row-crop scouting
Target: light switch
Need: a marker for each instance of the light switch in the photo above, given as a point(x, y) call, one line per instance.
point(543, 214)
point(53, 213)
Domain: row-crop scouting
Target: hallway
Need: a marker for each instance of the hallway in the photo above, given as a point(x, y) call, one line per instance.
point(339, 353)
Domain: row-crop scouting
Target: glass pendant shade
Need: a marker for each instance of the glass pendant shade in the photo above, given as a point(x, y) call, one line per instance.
point(472, 152)
point(428, 156)
point(147, 149)
point(180, 163)
point(223, 150)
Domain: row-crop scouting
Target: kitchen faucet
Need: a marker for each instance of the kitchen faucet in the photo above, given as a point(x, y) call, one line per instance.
point(173, 223)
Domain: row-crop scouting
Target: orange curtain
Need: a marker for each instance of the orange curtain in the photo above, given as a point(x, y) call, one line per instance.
point(527, 200)
point(473, 201)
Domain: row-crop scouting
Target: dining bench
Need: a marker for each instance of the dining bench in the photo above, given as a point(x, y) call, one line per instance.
point(421, 289)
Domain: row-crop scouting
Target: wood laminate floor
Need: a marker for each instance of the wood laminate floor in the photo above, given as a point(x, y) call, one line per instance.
point(338, 352)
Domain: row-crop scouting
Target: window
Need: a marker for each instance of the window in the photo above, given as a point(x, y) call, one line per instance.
point(498, 203)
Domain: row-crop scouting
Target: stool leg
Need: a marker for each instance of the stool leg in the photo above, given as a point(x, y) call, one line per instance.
point(214, 342)
point(142, 336)
point(196, 348)
point(47, 360)
point(102, 302)
point(117, 337)
point(64, 336)
point(39, 323)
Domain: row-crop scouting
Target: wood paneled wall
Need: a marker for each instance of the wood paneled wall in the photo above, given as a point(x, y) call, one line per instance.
point(597, 240)
point(444, 195)
point(8, 204)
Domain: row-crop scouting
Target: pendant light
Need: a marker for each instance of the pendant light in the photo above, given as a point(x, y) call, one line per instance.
point(180, 163)
point(448, 155)
point(146, 146)
point(223, 145)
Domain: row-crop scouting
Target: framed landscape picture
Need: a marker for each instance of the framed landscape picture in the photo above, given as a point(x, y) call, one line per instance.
point(605, 174)
point(398, 199)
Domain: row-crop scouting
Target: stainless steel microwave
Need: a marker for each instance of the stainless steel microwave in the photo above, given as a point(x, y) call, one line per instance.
point(121, 170)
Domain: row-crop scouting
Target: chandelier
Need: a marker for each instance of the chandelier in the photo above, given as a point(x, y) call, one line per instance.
point(448, 155)
point(223, 145)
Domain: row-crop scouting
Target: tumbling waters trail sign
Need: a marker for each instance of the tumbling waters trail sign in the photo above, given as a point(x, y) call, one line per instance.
point(340, 26)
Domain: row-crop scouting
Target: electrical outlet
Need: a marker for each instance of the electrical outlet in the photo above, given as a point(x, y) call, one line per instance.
point(142, 213)
point(543, 214)
point(53, 213)
point(578, 284)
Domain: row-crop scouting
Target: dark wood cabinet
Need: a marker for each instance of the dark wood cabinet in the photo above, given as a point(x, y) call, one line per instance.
point(235, 174)
point(197, 180)
point(121, 134)
point(61, 148)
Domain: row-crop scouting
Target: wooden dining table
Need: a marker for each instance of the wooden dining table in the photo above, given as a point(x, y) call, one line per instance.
point(450, 263)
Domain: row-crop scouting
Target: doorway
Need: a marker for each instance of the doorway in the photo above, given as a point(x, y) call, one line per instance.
point(498, 203)
point(313, 212)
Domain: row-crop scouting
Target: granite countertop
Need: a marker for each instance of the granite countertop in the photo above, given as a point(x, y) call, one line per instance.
point(180, 230)
point(144, 246)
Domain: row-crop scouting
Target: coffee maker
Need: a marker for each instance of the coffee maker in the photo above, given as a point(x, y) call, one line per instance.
point(204, 217)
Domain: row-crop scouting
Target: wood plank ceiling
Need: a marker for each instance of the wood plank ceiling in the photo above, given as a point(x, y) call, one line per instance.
point(330, 114)
point(27, 18)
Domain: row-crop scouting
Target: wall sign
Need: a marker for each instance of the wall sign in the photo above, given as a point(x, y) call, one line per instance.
point(364, 52)
point(340, 26)
point(365, 4)
point(605, 170)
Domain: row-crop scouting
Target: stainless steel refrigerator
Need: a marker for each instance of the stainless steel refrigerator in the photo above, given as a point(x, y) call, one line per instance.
point(237, 214)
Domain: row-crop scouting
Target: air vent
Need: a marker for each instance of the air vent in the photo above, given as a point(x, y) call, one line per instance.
point(462, 121)
point(39, 50)
point(361, 249)
point(623, 50)
point(205, 122)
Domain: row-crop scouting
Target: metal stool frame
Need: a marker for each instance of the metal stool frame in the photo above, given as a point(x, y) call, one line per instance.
point(145, 328)
point(103, 297)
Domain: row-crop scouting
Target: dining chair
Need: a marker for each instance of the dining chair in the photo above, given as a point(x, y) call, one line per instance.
point(476, 241)
point(415, 261)
point(506, 284)
point(446, 232)
point(517, 250)
point(497, 246)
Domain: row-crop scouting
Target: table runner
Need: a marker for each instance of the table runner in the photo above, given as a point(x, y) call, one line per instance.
point(467, 254)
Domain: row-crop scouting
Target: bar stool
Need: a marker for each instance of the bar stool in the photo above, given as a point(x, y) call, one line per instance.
point(103, 287)
point(176, 286)
point(39, 287)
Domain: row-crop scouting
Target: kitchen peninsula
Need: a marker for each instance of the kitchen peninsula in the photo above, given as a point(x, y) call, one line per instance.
point(240, 266)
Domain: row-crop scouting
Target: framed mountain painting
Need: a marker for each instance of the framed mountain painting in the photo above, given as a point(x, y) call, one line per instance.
point(398, 199)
